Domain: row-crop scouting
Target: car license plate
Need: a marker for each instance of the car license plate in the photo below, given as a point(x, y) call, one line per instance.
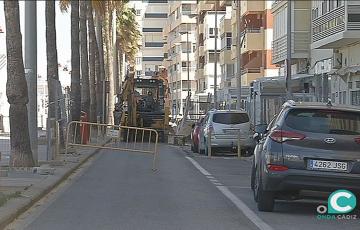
point(328, 165)
point(231, 131)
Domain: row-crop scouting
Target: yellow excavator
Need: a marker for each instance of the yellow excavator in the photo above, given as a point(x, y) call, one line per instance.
point(144, 102)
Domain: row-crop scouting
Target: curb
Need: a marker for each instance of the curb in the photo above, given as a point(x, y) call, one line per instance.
point(11, 217)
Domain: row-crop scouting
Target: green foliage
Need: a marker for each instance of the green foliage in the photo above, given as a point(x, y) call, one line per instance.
point(128, 33)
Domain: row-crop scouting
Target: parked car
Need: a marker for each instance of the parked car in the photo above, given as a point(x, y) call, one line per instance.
point(226, 127)
point(195, 135)
point(307, 147)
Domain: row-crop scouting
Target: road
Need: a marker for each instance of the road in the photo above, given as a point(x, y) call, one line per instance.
point(118, 190)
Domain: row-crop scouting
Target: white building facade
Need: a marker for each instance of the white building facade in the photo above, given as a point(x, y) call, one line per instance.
point(152, 16)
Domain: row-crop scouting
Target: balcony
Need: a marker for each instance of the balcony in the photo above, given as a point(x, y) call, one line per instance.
point(299, 43)
point(225, 3)
point(225, 56)
point(199, 73)
point(252, 6)
point(204, 6)
point(334, 29)
point(250, 74)
point(254, 40)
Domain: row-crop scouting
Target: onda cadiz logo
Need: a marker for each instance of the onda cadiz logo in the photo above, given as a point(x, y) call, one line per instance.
point(340, 203)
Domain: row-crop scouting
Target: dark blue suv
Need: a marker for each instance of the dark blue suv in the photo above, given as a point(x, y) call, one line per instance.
point(307, 147)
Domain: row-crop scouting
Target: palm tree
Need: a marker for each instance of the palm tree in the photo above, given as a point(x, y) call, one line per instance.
point(85, 90)
point(128, 36)
point(75, 62)
point(94, 63)
point(100, 70)
point(16, 90)
point(52, 64)
point(51, 53)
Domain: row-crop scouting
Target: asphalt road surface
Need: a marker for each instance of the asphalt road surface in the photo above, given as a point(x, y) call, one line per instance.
point(118, 190)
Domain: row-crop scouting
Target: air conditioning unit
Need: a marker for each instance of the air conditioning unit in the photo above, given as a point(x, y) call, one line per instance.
point(337, 61)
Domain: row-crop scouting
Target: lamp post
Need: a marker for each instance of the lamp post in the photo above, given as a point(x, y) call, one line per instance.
point(215, 67)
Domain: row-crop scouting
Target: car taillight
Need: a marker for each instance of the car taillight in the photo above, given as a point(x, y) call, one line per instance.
point(357, 140)
point(277, 167)
point(282, 136)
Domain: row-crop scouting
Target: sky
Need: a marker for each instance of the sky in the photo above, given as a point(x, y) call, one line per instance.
point(62, 29)
point(63, 47)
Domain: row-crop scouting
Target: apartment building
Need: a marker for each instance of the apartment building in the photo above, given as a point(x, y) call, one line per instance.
point(152, 16)
point(300, 34)
point(256, 25)
point(207, 11)
point(179, 53)
point(227, 91)
point(336, 25)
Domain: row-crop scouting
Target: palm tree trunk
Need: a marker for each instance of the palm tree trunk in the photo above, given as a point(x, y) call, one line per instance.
point(52, 66)
point(51, 54)
point(85, 91)
point(121, 73)
point(108, 62)
point(100, 70)
point(92, 56)
point(16, 90)
point(75, 62)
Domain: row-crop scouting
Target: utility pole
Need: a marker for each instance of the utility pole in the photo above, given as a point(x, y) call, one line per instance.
point(188, 62)
point(288, 54)
point(215, 54)
point(31, 73)
point(238, 46)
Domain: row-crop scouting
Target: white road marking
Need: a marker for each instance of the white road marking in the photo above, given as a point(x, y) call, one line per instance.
point(235, 200)
point(201, 169)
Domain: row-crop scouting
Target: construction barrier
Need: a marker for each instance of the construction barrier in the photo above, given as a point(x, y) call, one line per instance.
point(113, 137)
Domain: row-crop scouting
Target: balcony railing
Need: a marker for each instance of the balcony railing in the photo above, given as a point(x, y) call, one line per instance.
point(329, 24)
point(250, 30)
point(251, 70)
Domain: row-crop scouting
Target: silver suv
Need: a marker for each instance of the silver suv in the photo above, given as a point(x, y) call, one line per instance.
point(308, 147)
point(226, 127)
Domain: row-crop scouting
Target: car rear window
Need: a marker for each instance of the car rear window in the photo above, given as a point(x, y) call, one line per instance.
point(230, 118)
point(324, 121)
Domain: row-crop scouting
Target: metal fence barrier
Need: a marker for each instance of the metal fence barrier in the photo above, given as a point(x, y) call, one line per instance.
point(112, 137)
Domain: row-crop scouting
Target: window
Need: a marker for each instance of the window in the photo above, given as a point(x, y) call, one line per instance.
point(152, 29)
point(324, 7)
point(138, 60)
point(324, 121)
point(156, 15)
point(354, 17)
point(153, 58)
point(138, 12)
point(357, 83)
point(157, 1)
point(154, 44)
point(138, 73)
point(355, 97)
point(230, 118)
point(350, 85)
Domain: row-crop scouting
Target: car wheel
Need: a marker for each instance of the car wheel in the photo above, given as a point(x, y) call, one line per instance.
point(265, 199)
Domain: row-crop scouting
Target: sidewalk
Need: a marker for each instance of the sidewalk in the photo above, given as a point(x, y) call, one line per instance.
point(21, 189)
